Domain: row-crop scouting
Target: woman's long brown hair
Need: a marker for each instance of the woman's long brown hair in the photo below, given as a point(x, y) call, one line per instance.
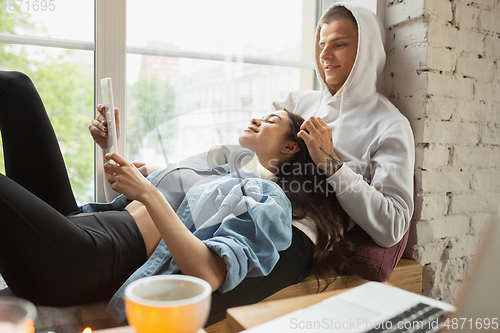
point(310, 194)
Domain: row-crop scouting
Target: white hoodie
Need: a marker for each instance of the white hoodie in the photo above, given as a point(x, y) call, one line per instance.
point(371, 137)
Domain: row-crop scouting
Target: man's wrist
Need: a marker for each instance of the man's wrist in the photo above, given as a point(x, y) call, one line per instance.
point(332, 167)
point(336, 166)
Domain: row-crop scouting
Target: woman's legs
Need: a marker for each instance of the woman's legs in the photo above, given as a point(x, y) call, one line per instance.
point(45, 256)
point(51, 259)
point(32, 155)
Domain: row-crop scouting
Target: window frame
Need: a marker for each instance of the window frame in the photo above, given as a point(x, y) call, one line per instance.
point(107, 26)
point(110, 51)
point(110, 61)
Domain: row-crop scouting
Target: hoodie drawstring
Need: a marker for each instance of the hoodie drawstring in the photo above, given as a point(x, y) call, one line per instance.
point(337, 141)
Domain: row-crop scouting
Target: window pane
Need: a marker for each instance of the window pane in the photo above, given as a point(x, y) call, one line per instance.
point(65, 81)
point(52, 18)
point(190, 105)
point(64, 78)
point(177, 106)
point(259, 27)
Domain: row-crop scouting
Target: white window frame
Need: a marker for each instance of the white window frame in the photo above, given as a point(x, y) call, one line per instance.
point(114, 55)
point(110, 61)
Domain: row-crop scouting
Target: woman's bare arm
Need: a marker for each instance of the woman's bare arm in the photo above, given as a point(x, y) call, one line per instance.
point(191, 255)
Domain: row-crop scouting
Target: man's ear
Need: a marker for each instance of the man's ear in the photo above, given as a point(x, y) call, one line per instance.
point(291, 148)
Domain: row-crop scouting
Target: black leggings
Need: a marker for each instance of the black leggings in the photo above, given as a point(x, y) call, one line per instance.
point(49, 252)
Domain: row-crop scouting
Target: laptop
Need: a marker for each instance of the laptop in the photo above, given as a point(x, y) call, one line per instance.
point(377, 307)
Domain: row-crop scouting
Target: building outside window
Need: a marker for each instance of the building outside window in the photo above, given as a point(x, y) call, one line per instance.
point(220, 63)
point(186, 75)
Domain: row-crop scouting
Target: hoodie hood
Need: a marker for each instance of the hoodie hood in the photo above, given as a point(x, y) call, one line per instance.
point(370, 59)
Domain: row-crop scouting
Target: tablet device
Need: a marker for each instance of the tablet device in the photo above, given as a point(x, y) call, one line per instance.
point(107, 101)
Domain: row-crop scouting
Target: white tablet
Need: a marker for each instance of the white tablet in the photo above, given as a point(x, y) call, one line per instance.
point(107, 101)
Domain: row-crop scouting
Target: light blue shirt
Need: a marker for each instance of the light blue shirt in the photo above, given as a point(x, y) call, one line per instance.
point(245, 221)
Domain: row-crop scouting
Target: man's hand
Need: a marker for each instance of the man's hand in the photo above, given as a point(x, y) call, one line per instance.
point(99, 127)
point(318, 138)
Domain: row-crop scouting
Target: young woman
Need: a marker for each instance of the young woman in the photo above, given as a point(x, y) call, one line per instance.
point(53, 252)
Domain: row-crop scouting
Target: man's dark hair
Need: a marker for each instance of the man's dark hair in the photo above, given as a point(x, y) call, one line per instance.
point(338, 13)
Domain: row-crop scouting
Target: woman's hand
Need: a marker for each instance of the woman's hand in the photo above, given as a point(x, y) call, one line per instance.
point(99, 127)
point(142, 167)
point(318, 138)
point(191, 255)
point(126, 178)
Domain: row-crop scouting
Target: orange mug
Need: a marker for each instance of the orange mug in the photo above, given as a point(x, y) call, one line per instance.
point(168, 303)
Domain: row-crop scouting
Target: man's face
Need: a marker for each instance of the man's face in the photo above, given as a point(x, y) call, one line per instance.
point(339, 45)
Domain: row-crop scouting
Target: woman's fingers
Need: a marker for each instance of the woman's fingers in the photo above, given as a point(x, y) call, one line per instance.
point(117, 122)
point(111, 169)
point(101, 109)
point(117, 158)
point(98, 128)
point(99, 133)
point(117, 117)
point(125, 178)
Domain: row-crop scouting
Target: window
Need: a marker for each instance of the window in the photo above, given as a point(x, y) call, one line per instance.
point(186, 75)
point(198, 71)
point(53, 42)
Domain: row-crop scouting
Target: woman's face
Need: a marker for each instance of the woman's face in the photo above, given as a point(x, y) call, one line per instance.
point(268, 138)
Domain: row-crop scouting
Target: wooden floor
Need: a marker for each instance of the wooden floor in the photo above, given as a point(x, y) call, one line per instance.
point(407, 275)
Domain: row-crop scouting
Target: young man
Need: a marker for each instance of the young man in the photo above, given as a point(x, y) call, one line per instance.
point(355, 135)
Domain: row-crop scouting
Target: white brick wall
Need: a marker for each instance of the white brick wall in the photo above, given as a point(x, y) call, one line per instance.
point(440, 9)
point(443, 73)
point(451, 226)
point(491, 134)
point(435, 181)
point(435, 205)
point(466, 16)
point(476, 67)
point(436, 156)
point(450, 132)
point(439, 107)
point(476, 156)
point(486, 180)
point(473, 111)
point(477, 223)
point(441, 59)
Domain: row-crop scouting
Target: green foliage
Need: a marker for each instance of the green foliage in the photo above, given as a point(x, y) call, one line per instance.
point(150, 103)
point(66, 89)
point(9, 21)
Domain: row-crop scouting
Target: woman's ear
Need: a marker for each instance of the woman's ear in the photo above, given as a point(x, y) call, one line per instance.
point(290, 148)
